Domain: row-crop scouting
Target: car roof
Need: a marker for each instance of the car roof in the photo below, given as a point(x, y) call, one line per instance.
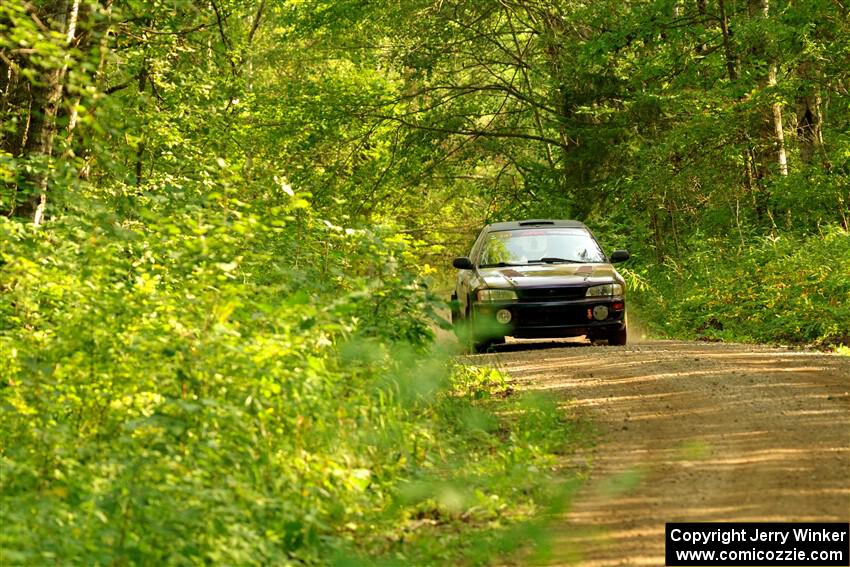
point(534, 223)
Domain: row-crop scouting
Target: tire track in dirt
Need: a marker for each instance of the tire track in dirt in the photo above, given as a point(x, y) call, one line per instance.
point(693, 432)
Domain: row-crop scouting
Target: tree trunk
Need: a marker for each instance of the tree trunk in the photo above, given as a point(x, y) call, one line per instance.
point(767, 134)
point(809, 119)
point(46, 100)
point(5, 79)
point(773, 132)
point(17, 103)
point(731, 59)
point(702, 8)
point(249, 79)
point(809, 128)
point(140, 149)
point(776, 120)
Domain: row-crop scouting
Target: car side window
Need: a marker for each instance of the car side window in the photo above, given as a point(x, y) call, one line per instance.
point(476, 248)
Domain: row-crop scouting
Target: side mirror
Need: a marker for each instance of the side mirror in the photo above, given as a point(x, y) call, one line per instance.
point(619, 256)
point(463, 263)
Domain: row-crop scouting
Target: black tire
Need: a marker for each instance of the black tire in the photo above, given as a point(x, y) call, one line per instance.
point(618, 338)
point(486, 345)
point(455, 307)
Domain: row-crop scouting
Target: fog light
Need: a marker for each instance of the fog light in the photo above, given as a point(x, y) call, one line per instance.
point(503, 316)
point(600, 312)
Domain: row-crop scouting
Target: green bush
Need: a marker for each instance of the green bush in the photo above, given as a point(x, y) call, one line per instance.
point(783, 289)
point(208, 384)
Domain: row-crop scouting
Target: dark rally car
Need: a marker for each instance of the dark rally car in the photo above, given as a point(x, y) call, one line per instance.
point(539, 279)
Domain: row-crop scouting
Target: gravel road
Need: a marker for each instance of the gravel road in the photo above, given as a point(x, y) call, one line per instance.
point(693, 432)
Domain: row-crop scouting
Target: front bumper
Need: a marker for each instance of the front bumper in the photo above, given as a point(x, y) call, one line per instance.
point(549, 319)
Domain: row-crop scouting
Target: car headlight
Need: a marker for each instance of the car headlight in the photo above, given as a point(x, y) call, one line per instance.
point(604, 290)
point(496, 295)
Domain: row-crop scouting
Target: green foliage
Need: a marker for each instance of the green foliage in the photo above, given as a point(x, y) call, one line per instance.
point(472, 381)
point(202, 365)
point(218, 383)
point(783, 289)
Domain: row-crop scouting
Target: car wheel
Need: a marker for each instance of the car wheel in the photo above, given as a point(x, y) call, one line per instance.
point(617, 338)
point(480, 347)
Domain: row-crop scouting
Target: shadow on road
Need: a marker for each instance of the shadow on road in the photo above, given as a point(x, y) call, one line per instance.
point(520, 345)
point(694, 432)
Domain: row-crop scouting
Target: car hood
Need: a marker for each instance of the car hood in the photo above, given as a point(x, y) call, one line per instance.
point(550, 275)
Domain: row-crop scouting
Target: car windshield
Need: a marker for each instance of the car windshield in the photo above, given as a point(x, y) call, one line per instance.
point(533, 246)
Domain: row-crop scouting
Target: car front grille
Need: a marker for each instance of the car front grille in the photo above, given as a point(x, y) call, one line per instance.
point(551, 293)
point(552, 316)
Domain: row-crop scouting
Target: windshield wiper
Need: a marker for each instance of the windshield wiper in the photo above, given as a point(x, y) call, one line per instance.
point(499, 265)
point(551, 260)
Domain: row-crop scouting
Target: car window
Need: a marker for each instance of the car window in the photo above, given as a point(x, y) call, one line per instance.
point(533, 245)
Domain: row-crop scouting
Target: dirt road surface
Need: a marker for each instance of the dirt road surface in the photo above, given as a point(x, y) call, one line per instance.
point(693, 432)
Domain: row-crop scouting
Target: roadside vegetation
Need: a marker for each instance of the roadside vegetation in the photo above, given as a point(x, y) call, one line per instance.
point(222, 224)
point(785, 288)
point(175, 393)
